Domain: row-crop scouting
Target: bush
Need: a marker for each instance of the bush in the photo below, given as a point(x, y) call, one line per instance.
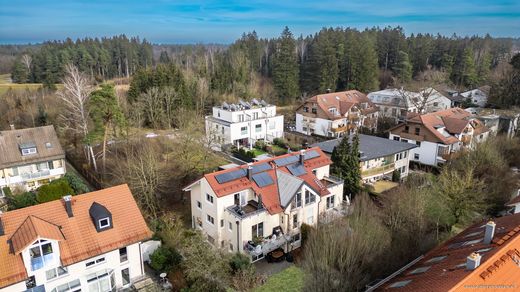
point(280, 142)
point(54, 191)
point(239, 262)
point(76, 184)
point(260, 145)
point(20, 201)
point(244, 154)
point(305, 231)
point(7, 191)
point(396, 176)
point(165, 259)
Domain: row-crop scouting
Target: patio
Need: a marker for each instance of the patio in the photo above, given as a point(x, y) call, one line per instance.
point(383, 186)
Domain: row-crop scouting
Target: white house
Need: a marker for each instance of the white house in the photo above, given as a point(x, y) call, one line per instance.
point(439, 135)
point(244, 123)
point(379, 157)
point(476, 96)
point(89, 242)
point(30, 158)
point(336, 114)
point(259, 208)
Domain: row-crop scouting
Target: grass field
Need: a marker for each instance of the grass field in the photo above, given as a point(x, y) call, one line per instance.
point(6, 84)
point(288, 280)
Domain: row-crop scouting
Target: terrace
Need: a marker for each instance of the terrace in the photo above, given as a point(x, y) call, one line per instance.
point(251, 208)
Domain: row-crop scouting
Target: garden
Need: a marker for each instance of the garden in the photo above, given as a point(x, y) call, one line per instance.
point(279, 146)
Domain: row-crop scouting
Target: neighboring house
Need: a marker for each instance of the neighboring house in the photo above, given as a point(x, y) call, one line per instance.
point(89, 242)
point(30, 158)
point(514, 203)
point(476, 96)
point(397, 103)
point(439, 135)
point(499, 121)
point(484, 256)
point(244, 123)
point(336, 114)
point(379, 157)
point(260, 207)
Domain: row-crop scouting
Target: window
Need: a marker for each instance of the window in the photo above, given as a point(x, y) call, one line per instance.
point(417, 131)
point(255, 115)
point(297, 201)
point(396, 138)
point(416, 156)
point(199, 205)
point(28, 151)
point(330, 202)
point(404, 141)
point(436, 259)
point(50, 165)
point(230, 247)
point(435, 104)
point(230, 227)
point(243, 131)
point(257, 230)
point(222, 130)
point(296, 238)
point(400, 284)
point(405, 154)
point(309, 198)
point(306, 109)
point(123, 254)
point(406, 129)
point(240, 118)
point(211, 240)
point(221, 223)
point(73, 286)
point(295, 220)
point(55, 273)
point(94, 262)
point(101, 281)
point(209, 198)
point(41, 254)
point(418, 143)
point(125, 274)
point(210, 219)
point(314, 110)
point(420, 270)
point(258, 128)
point(104, 223)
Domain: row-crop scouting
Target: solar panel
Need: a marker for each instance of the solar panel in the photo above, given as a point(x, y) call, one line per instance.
point(296, 169)
point(229, 176)
point(286, 160)
point(261, 167)
point(311, 154)
point(263, 179)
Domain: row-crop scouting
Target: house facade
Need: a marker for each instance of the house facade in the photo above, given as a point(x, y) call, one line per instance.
point(475, 96)
point(439, 135)
point(379, 157)
point(89, 242)
point(336, 114)
point(260, 207)
point(244, 123)
point(397, 103)
point(30, 158)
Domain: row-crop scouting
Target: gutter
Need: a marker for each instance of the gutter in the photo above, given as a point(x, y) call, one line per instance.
point(393, 275)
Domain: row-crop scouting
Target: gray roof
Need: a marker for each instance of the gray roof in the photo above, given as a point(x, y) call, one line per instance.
point(371, 146)
point(288, 186)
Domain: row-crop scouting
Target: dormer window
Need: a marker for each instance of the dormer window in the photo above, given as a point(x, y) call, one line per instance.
point(41, 254)
point(104, 223)
point(28, 148)
point(101, 217)
point(28, 151)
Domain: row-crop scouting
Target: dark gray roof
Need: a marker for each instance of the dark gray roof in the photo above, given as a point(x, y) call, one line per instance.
point(371, 146)
point(288, 186)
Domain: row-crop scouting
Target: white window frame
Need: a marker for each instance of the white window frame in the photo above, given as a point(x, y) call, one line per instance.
point(104, 225)
point(95, 262)
point(209, 198)
point(208, 217)
point(57, 274)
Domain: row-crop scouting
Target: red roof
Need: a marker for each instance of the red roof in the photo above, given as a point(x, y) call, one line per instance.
point(269, 194)
point(343, 101)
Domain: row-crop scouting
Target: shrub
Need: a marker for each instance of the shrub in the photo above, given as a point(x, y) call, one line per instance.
point(396, 176)
point(54, 191)
point(305, 231)
point(260, 145)
point(244, 154)
point(76, 184)
point(20, 201)
point(7, 191)
point(239, 262)
point(165, 259)
point(280, 142)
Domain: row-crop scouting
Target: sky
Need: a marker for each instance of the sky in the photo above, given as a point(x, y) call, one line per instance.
point(194, 21)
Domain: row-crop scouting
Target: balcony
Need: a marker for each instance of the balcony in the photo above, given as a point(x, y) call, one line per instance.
point(353, 117)
point(340, 129)
point(378, 170)
point(331, 181)
point(268, 244)
point(410, 136)
point(465, 139)
point(36, 175)
point(251, 208)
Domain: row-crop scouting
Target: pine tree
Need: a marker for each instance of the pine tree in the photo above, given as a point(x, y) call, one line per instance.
point(468, 75)
point(363, 60)
point(403, 67)
point(285, 67)
point(345, 158)
point(164, 58)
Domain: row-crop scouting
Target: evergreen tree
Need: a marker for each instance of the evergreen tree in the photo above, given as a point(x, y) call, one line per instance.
point(345, 158)
point(403, 67)
point(285, 68)
point(164, 58)
point(42, 118)
point(19, 73)
point(363, 62)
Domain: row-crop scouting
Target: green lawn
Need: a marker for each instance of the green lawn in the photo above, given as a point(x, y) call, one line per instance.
point(288, 280)
point(257, 151)
point(383, 186)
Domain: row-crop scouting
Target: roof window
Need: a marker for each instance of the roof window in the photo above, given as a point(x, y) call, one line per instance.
point(400, 284)
point(436, 259)
point(420, 270)
point(28, 148)
point(101, 217)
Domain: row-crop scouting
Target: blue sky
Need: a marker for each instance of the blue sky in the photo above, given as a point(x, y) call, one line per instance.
point(164, 21)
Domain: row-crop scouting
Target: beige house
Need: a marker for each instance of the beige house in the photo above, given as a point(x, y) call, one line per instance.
point(30, 158)
point(259, 208)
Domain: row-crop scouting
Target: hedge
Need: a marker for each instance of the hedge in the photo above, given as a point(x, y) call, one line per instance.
point(55, 190)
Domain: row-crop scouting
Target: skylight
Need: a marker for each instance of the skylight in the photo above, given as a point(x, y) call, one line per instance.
point(420, 270)
point(400, 284)
point(482, 250)
point(473, 234)
point(436, 259)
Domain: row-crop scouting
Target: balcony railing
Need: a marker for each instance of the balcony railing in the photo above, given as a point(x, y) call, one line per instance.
point(411, 136)
point(378, 170)
point(331, 181)
point(340, 129)
point(268, 245)
point(35, 175)
point(250, 209)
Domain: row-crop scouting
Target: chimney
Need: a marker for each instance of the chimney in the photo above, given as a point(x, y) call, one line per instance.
point(328, 90)
point(490, 232)
point(249, 171)
point(302, 156)
point(473, 261)
point(12, 126)
point(68, 205)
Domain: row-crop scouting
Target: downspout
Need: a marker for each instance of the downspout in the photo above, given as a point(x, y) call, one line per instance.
point(238, 236)
point(141, 259)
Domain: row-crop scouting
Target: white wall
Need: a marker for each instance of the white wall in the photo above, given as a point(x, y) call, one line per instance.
point(427, 151)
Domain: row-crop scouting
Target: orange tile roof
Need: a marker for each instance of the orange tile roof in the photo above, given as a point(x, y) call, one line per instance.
point(450, 274)
point(343, 101)
point(269, 194)
point(79, 239)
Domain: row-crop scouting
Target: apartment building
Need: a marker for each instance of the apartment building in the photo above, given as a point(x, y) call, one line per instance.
point(260, 207)
point(379, 157)
point(30, 158)
point(244, 123)
point(485, 256)
point(336, 114)
point(397, 103)
point(439, 135)
point(89, 242)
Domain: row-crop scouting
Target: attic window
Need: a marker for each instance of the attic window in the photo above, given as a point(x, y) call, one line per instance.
point(400, 284)
point(420, 270)
point(28, 151)
point(48, 145)
point(436, 259)
point(104, 223)
point(101, 217)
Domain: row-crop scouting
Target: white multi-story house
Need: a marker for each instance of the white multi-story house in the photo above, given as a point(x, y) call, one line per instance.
point(336, 114)
point(440, 135)
point(476, 96)
point(397, 103)
point(260, 207)
point(379, 157)
point(30, 158)
point(89, 242)
point(244, 123)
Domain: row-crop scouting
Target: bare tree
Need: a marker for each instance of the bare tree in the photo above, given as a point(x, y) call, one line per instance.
point(75, 96)
point(27, 60)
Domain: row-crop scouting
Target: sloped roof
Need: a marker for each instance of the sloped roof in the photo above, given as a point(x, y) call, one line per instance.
point(449, 271)
point(80, 240)
point(44, 138)
point(343, 101)
point(288, 187)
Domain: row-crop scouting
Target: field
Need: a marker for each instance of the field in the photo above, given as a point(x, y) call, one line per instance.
point(290, 279)
point(6, 84)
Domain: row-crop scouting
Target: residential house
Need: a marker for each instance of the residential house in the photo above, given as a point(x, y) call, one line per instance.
point(260, 207)
point(244, 123)
point(484, 256)
point(397, 103)
point(89, 242)
point(499, 121)
point(30, 158)
point(478, 96)
point(336, 114)
point(514, 203)
point(379, 157)
point(439, 135)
